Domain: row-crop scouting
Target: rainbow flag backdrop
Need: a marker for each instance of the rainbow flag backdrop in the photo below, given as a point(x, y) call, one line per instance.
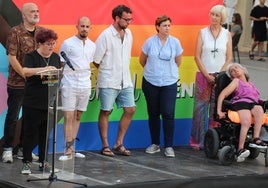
point(188, 17)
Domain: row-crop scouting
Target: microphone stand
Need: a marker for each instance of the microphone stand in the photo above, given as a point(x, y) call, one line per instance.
point(53, 104)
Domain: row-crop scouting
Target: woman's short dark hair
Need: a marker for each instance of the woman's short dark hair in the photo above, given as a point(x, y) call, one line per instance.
point(160, 20)
point(45, 34)
point(118, 11)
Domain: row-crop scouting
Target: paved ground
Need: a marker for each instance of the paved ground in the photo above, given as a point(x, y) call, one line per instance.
point(98, 170)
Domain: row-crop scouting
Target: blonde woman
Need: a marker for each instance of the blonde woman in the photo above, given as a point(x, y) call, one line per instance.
point(213, 53)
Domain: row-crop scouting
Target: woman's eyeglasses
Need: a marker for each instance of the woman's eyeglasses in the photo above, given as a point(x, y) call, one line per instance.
point(165, 54)
point(52, 44)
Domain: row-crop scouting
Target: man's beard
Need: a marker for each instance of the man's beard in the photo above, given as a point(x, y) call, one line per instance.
point(122, 27)
point(83, 36)
point(33, 20)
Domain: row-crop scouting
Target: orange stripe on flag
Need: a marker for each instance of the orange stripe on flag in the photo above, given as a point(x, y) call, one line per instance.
point(186, 34)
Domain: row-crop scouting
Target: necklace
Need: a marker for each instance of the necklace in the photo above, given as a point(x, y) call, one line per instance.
point(46, 60)
point(215, 40)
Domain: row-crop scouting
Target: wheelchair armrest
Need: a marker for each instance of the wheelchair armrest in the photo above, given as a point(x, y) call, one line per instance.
point(264, 104)
point(226, 104)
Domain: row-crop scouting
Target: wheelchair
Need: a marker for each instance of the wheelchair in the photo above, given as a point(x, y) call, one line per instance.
point(222, 142)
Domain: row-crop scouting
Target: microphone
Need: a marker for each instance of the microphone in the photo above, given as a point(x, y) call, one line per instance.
point(68, 62)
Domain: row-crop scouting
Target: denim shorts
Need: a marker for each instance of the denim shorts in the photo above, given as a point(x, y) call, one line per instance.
point(122, 98)
point(75, 98)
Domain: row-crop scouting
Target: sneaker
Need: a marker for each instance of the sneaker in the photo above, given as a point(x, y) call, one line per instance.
point(7, 156)
point(65, 157)
point(26, 170)
point(242, 155)
point(35, 157)
point(47, 168)
point(152, 149)
point(79, 155)
point(19, 155)
point(169, 152)
point(258, 143)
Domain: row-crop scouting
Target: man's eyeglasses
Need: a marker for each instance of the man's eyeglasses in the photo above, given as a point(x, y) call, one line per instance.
point(128, 20)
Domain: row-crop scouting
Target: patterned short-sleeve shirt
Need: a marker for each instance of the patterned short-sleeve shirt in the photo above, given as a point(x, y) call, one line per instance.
point(19, 43)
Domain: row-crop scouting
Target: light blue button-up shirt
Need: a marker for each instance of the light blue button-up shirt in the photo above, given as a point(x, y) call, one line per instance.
point(160, 68)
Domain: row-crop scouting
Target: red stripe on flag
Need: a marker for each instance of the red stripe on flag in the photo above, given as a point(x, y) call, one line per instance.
point(67, 12)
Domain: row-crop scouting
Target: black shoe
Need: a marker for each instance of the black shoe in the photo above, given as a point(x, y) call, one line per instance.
point(251, 55)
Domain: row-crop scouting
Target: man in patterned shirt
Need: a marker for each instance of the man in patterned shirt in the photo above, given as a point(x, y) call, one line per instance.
point(20, 41)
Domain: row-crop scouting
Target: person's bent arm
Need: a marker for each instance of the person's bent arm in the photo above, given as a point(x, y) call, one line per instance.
point(15, 65)
point(143, 59)
point(198, 61)
point(178, 60)
point(225, 93)
point(258, 19)
point(33, 71)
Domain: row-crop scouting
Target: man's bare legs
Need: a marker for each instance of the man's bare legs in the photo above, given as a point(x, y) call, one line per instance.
point(103, 127)
point(124, 124)
point(122, 129)
point(71, 127)
point(260, 50)
point(251, 52)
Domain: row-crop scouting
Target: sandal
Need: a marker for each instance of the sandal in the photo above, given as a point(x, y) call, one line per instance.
point(121, 150)
point(251, 55)
point(69, 147)
point(261, 59)
point(107, 152)
point(258, 143)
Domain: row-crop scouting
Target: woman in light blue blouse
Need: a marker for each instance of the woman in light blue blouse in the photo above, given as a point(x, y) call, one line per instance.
point(161, 57)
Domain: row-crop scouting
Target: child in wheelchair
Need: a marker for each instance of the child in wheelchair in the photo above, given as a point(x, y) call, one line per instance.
point(245, 100)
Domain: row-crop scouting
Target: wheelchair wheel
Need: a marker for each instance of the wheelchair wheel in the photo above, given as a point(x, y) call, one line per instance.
point(266, 157)
point(211, 143)
point(254, 153)
point(226, 155)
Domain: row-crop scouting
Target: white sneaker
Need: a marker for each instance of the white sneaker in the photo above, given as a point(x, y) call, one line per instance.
point(169, 152)
point(242, 155)
point(20, 155)
point(65, 157)
point(7, 157)
point(152, 149)
point(79, 155)
point(35, 157)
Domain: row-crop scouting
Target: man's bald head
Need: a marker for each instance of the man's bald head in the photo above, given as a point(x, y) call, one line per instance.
point(30, 13)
